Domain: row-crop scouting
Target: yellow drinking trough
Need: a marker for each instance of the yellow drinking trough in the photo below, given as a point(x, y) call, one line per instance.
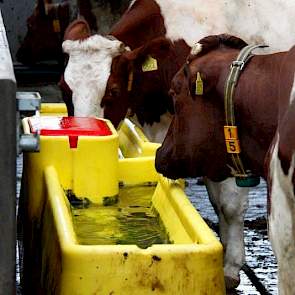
point(55, 262)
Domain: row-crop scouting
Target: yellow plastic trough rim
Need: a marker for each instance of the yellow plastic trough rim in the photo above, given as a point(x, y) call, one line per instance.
point(208, 243)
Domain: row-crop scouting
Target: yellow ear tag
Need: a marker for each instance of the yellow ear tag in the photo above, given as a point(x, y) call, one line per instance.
point(130, 81)
point(199, 85)
point(150, 64)
point(56, 26)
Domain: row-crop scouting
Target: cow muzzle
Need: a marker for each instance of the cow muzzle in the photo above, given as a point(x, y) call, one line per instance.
point(172, 167)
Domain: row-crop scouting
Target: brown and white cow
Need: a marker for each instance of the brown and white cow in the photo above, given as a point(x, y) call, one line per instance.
point(281, 179)
point(195, 144)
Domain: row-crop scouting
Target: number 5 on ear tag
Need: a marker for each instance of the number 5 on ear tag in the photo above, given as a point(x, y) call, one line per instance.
point(150, 64)
point(199, 85)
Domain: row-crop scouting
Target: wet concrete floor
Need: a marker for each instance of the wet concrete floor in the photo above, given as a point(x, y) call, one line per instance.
point(259, 255)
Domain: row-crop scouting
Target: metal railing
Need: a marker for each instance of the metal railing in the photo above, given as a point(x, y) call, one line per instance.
point(7, 167)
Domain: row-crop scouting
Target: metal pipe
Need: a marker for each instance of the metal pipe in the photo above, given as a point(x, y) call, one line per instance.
point(7, 167)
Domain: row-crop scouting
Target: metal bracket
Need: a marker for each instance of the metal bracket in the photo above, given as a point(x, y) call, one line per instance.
point(28, 104)
point(238, 63)
point(28, 101)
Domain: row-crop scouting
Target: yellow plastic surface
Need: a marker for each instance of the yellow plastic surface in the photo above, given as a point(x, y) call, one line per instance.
point(53, 109)
point(90, 170)
point(133, 142)
point(192, 265)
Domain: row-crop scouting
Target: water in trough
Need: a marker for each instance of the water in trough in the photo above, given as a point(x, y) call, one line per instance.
point(130, 220)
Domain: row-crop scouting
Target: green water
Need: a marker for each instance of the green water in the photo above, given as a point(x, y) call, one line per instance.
point(132, 220)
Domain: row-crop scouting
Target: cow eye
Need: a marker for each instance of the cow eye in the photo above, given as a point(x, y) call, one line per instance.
point(115, 91)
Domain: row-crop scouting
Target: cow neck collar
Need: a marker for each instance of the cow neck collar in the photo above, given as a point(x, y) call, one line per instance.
point(243, 177)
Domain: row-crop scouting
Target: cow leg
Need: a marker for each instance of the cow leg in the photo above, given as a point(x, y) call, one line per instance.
point(282, 222)
point(230, 203)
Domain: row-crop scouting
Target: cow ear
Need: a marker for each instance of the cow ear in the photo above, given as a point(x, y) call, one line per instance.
point(77, 30)
point(158, 48)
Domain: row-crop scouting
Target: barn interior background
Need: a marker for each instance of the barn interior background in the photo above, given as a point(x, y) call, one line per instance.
point(259, 255)
point(15, 14)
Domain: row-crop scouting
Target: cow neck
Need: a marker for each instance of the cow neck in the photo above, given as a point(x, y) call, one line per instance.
point(243, 177)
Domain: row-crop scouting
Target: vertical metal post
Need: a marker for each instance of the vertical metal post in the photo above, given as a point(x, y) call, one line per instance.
point(7, 167)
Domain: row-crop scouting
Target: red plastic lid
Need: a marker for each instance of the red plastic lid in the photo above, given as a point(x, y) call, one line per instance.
point(69, 126)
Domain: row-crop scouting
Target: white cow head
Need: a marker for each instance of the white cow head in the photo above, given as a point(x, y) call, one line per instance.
point(88, 70)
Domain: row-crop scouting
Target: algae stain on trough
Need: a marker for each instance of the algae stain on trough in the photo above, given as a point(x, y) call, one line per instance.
point(109, 201)
point(127, 220)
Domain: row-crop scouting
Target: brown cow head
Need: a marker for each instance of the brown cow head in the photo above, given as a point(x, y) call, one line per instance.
point(194, 144)
point(144, 93)
point(45, 32)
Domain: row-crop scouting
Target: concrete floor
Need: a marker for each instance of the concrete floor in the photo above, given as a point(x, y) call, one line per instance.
point(259, 255)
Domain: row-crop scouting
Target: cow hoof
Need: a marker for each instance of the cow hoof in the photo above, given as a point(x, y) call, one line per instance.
point(231, 282)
